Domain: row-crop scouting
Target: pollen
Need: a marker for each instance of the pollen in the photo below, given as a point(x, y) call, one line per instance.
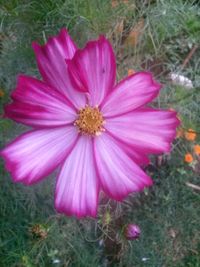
point(90, 121)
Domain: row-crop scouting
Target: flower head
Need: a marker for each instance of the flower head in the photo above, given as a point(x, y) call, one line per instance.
point(190, 135)
point(188, 158)
point(1, 93)
point(197, 149)
point(97, 131)
point(39, 231)
point(132, 231)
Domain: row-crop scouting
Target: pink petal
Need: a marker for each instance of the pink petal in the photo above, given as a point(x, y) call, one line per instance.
point(77, 186)
point(36, 104)
point(36, 154)
point(146, 130)
point(131, 93)
point(118, 173)
point(134, 153)
point(93, 69)
point(51, 59)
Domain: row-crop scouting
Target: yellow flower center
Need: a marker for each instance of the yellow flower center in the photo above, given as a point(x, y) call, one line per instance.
point(90, 121)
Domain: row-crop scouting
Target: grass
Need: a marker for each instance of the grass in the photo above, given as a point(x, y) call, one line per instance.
point(154, 35)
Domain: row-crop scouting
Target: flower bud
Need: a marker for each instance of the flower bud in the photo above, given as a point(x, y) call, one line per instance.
point(132, 231)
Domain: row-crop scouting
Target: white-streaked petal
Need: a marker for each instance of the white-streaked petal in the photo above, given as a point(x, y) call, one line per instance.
point(35, 154)
point(119, 175)
point(77, 185)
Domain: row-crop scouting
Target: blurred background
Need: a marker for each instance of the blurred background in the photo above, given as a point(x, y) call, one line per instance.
point(162, 36)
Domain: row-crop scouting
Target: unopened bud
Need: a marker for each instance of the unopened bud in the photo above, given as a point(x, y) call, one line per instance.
point(132, 231)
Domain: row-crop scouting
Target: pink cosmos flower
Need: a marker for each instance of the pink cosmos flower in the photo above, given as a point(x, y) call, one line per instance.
point(97, 131)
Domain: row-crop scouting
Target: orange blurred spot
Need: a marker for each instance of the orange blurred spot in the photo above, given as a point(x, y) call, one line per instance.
point(115, 3)
point(190, 135)
point(179, 133)
point(130, 72)
point(2, 93)
point(188, 158)
point(135, 33)
point(197, 149)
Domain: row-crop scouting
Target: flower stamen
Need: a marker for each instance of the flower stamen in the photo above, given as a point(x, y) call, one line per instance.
point(90, 121)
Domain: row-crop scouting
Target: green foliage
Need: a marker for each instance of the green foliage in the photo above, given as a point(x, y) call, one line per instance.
point(31, 232)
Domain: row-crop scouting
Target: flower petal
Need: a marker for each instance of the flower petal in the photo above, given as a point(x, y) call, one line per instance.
point(36, 154)
point(146, 130)
point(134, 153)
point(118, 173)
point(93, 70)
point(51, 59)
point(77, 186)
point(131, 93)
point(36, 104)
